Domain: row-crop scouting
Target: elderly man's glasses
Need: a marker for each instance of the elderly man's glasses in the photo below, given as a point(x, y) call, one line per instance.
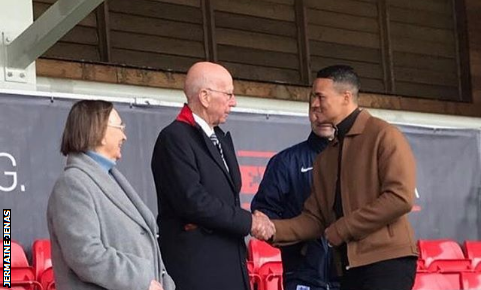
point(121, 126)
point(229, 95)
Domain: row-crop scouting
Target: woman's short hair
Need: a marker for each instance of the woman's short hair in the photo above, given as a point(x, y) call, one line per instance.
point(85, 126)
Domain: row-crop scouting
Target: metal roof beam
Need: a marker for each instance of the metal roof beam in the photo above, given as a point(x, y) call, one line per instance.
point(46, 31)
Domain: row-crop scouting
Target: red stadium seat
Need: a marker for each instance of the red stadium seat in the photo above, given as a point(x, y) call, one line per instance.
point(471, 281)
point(436, 281)
point(47, 279)
point(473, 253)
point(22, 275)
point(420, 266)
point(254, 278)
point(42, 257)
point(261, 252)
point(42, 263)
point(271, 276)
point(444, 256)
point(24, 278)
point(19, 259)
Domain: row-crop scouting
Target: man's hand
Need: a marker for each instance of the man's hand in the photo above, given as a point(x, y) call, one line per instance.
point(332, 236)
point(262, 228)
point(154, 285)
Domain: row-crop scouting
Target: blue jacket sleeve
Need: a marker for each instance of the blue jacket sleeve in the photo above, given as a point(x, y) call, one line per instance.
point(270, 197)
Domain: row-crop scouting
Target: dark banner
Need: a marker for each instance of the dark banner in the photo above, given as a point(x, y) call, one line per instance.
point(449, 166)
point(448, 203)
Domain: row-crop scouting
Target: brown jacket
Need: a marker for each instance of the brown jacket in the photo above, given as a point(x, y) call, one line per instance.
point(377, 186)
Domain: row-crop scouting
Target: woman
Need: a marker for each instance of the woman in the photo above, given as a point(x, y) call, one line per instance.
point(102, 234)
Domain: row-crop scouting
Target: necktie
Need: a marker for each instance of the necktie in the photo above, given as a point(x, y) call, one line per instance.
point(216, 142)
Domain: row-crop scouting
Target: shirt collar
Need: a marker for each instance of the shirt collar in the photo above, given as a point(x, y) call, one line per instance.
point(203, 124)
point(105, 163)
point(346, 124)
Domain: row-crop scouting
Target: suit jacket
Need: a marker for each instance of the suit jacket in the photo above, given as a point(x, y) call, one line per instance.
point(378, 178)
point(202, 223)
point(102, 234)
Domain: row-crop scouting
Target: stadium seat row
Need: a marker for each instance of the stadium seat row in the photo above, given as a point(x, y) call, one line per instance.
point(39, 275)
point(446, 256)
point(451, 281)
point(442, 265)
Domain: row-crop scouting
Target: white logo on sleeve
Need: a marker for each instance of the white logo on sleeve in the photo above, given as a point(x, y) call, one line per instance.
point(305, 169)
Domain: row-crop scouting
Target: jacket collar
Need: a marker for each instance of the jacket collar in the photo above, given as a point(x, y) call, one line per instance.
point(130, 203)
point(358, 126)
point(360, 123)
point(317, 143)
point(233, 175)
point(225, 140)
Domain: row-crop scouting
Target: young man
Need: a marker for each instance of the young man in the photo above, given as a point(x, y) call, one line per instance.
point(363, 189)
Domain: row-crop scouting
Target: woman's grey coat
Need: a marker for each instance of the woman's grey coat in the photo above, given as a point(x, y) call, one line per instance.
point(103, 236)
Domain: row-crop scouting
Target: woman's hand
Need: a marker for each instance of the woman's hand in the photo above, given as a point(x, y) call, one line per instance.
point(154, 285)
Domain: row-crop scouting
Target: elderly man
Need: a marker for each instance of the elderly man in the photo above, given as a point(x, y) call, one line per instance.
point(363, 189)
point(198, 180)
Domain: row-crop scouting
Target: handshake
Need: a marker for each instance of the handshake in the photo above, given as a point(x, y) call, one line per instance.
point(262, 227)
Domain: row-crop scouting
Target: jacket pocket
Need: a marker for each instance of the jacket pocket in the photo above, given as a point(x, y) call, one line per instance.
point(379, 239)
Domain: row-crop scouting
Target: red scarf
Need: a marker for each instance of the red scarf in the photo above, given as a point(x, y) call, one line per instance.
point(186, 116)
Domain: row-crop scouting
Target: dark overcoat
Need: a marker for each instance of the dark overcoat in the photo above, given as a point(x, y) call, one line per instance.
point(201, 221)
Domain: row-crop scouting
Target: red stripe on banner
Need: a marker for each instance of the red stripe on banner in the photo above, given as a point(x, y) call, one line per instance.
point(256, 154)
point(251, 178)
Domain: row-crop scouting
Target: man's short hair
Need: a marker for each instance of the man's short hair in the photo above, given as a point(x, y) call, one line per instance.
point(343, 75)
point(85, 126)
